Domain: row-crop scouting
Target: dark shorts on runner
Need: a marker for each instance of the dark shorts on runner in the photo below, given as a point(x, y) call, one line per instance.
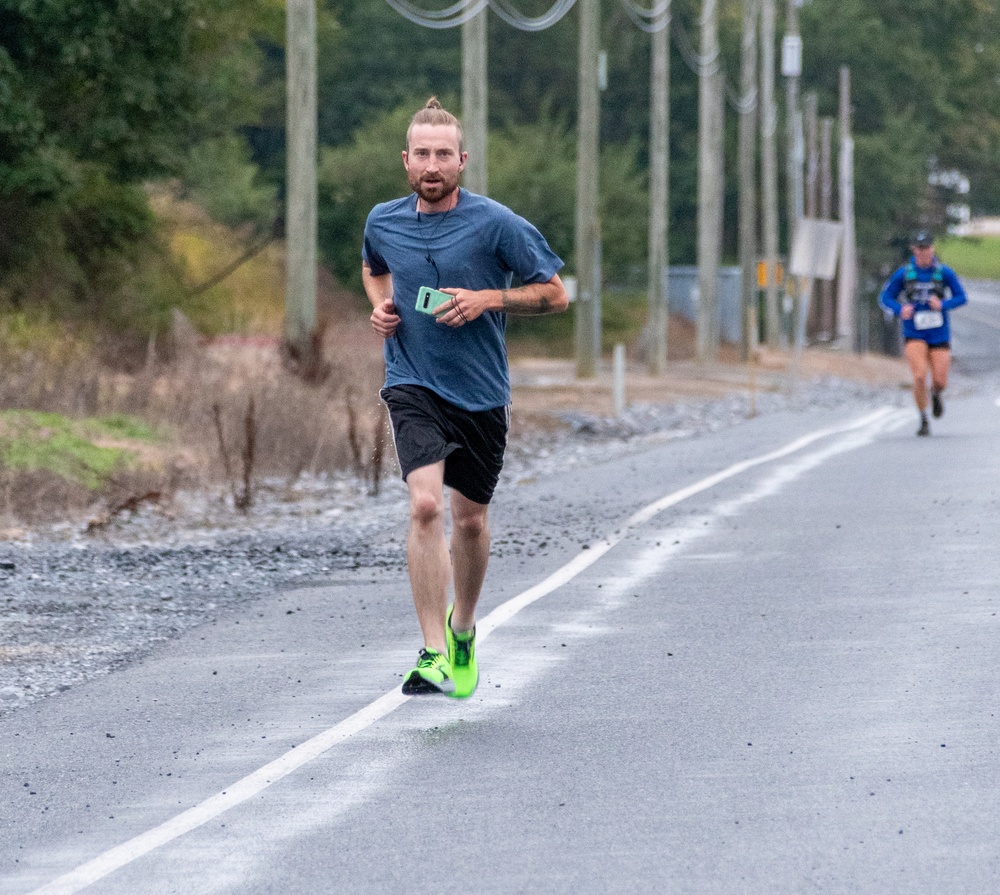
point(427, 429)
point(931, 345)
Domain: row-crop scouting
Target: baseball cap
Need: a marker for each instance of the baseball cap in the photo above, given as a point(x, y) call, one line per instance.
point(923, 238)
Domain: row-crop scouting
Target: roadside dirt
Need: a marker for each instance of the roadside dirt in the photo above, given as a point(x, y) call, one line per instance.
point(545, 387)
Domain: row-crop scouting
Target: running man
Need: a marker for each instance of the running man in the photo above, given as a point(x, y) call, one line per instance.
point(921, 293)
point(447, 384)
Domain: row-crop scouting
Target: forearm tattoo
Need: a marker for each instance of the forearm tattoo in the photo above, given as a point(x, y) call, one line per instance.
point(524, 303)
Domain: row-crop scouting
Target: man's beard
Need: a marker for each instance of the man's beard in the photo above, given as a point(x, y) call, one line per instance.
point(434, 192)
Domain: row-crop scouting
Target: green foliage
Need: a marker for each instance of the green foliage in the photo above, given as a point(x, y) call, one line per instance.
point(94, 79)
point(923, 80)
point(120, 425)
point(532, 170)
point(96, 98)
point(888, 215)
point(355, 177)
point(223, 180)
point(32, 440)
point(624, 210)
point(379, 62)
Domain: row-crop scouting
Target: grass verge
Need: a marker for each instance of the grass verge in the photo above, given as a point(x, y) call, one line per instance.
point(86, 452)
point(972, 257)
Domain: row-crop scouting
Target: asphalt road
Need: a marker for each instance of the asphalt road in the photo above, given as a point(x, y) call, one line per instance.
point(757, 661)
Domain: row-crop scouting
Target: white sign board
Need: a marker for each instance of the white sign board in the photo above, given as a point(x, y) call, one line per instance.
point(815, 249)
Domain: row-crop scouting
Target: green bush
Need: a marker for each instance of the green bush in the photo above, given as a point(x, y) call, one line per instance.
point(223, 180)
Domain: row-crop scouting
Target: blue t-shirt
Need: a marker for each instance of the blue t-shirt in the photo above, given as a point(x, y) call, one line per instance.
point(478, 244)
point(927, 324)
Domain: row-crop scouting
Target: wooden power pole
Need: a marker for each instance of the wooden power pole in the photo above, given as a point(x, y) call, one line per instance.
point(769, 172)
point(587, 311)
point(747, 178)
point(659, 201)
point(300, 213)
point(710, 192)
point(848, 274)
point(474, 100)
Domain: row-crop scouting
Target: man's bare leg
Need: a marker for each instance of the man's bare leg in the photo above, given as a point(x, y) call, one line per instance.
point(470, 554)
point(427, 552)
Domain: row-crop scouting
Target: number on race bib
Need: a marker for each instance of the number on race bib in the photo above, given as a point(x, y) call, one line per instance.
point(928, 319)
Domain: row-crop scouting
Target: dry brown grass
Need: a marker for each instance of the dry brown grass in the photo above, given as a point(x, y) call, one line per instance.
point(229, 412)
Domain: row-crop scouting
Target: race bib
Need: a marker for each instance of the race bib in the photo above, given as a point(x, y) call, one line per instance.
point(928, 319)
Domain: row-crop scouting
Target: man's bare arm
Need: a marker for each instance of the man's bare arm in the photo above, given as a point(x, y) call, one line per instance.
point(535, 298)
point(384, 318)
point(377, 288)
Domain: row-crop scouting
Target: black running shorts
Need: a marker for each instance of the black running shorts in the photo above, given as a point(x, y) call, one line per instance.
point(931, 345)
point(427, 429)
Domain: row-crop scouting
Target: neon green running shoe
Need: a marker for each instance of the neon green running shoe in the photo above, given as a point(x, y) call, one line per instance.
point(432, 675)
point(462, 656)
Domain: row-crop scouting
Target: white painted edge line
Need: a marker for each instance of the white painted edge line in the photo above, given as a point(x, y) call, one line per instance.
point(121, 855)
point(594, 552)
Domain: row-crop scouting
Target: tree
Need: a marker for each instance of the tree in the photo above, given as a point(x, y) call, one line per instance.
point(96, 99)
point(924, 97)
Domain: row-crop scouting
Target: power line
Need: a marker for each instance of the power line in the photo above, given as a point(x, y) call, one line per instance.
point(651, 20)
point(450, 17)
point(704, 65)
point(648, 19)
point(509, 13)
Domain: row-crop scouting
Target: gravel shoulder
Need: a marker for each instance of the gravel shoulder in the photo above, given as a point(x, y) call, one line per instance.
point(74, 606)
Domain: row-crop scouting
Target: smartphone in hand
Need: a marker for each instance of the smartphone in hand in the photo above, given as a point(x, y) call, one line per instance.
point(428, 300)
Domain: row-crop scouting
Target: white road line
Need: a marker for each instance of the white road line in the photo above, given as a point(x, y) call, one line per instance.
point(121, 855)
point(588, 557)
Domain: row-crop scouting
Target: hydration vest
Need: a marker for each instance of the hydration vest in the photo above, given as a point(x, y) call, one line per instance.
point(912, 282)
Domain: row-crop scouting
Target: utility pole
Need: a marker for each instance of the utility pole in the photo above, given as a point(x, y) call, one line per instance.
point(587, 312)
point(810, 106)
point(769, 171)
point(659, 201)
point(825, 213)
point(710, 155)
point(848, 274)
point(474, 100)
point(791, 68)
point(811, 112)
point(300, 213)
point(748, 180)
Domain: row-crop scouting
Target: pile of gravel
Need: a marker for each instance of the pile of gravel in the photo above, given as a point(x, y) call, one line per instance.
point(74, 606)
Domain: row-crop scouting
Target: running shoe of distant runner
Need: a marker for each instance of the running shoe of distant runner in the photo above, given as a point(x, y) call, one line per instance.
point(937, 405)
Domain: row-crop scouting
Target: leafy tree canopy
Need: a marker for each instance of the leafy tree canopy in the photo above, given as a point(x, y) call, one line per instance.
point(99, 96)
point(95, 98)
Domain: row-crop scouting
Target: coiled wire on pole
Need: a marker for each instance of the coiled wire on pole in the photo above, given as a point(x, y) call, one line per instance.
point(651, 20)
point(451, 17)
point(461, 12)
point(513, 17)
